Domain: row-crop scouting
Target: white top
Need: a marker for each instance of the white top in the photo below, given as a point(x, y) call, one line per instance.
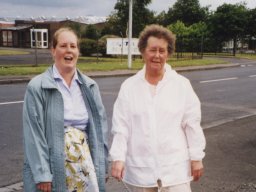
point(157, 135)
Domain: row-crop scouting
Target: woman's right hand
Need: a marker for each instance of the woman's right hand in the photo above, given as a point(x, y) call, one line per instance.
point(44, 186)
point(117, 170)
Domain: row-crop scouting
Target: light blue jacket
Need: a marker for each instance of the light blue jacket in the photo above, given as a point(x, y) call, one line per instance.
point(43, 128)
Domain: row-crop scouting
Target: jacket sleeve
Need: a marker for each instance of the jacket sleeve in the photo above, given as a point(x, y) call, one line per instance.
point(103, 116)
point(120, 127)
point(35, 144)
point(191, 124)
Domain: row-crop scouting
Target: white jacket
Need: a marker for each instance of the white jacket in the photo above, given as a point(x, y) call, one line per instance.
point(157, 136)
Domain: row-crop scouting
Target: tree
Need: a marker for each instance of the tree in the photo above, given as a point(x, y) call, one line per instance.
point(91, 32)
point(77, 27)
point(228, 23)
point(161, 19)
point(114, 26)
point(107, 29)
point(195, 30)
point(179, 28)
point(251, 27)
point(142, 16)
point(187, 11)
point(118, 20)
point(198, 29)
point(189, 38)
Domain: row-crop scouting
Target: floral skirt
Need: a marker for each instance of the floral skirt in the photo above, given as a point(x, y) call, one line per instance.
point(80, 172)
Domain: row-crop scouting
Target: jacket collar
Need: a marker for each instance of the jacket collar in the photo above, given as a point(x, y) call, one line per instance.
point(49, 82)
point(169, 73)
point(57, 76)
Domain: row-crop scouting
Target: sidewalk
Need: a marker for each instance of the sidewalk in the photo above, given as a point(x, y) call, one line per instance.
point(230, 162)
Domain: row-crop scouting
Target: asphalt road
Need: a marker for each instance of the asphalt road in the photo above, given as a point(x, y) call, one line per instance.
point(35, 56)
point(229, 121)
point(225, 94)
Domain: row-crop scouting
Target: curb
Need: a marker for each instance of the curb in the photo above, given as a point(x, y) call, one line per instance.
point(13, 81)
point(12, 188)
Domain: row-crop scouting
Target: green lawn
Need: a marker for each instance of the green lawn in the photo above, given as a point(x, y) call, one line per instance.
point(247, 56)
point(86, 64)
point(13, 52)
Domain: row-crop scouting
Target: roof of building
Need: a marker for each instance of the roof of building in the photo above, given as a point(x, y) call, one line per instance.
point(42, 19)
point(15, 28)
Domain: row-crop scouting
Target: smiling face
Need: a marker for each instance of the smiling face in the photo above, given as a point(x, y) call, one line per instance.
point(155, 54)
point(66, 52)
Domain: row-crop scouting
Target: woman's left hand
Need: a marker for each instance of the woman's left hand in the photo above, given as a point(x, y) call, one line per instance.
point(196, 169)
point(44, 186)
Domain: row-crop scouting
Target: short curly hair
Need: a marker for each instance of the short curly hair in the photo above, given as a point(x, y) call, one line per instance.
point(157, 31)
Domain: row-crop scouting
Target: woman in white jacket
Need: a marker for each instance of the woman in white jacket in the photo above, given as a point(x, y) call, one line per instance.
point(158, 142)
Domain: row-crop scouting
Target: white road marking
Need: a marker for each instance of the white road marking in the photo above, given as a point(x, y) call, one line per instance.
point(215, 80)
point(12, 188)
point(251, 111)
point(12, 102)
point(247, 63)
point(252, 76)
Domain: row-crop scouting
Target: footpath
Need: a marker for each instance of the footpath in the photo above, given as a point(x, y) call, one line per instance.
point(230, 162)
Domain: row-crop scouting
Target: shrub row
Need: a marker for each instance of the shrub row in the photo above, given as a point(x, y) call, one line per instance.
point(89, 47)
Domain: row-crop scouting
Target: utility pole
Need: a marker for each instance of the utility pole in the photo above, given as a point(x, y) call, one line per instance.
point(122, 46)
point(35, 40)
point(130, 36)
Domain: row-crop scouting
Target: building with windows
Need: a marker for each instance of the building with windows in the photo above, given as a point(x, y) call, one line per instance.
point(38, 32)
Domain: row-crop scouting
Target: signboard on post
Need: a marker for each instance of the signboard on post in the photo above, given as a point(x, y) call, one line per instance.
point(119, 46)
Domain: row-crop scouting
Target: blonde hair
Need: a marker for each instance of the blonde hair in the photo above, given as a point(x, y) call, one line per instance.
point(57, 34)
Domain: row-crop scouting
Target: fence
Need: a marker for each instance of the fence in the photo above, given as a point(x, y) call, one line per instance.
point(189, 47)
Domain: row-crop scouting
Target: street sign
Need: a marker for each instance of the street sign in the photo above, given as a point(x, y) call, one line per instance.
point(119, 46)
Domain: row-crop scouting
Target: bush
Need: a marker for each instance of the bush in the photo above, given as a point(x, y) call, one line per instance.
point(91, 46)
point(102, 48)
point(88, 47)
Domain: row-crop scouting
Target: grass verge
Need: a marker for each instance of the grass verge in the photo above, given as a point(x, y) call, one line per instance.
point(12, 52)
point(87, 64)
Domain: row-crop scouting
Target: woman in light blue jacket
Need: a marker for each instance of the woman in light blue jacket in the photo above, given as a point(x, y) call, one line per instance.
point(64, 124)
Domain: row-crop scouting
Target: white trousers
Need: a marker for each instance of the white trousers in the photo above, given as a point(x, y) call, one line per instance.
point(176, 188)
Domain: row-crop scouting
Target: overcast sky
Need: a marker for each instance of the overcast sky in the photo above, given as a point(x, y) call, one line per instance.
point(75, 8)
